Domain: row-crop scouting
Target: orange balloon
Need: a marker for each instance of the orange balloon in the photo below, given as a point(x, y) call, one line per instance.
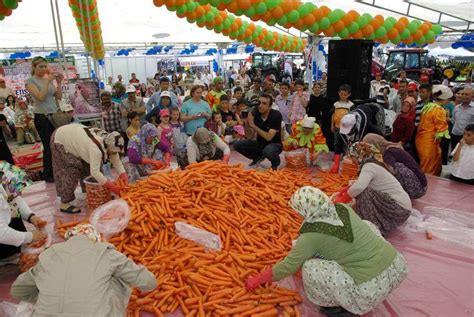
point(248, 33)
point(375, 23)
point(417, 35)
point(347, 19)
point(251, 27)
point(367, 30)
point(241, 37)
point(232, 7)
point(404, 20)
point(179, 2)
point(267, 16)
point(277, 12)
point(226, 32)
point(158, 3)
point(181, 15)
point(200, 11)
point(325, 10)
point(264, 32)
point(393, 33)
point(299, 24)
point(223, 14)
point(355, 15)
point(191, 16)
point(408, 40)
point(288, 25)
point(309, 19)
point(255, 2)
point(379, 18)
point(383, 40)
point(399, 26)
point(428, 23)
point(286, 5)
point(256, 17)
point(244, 4)
point(234, 27)
point(296, 4)
point(329, 31)
point(201, 24)
point(358, 35)
point(424, 28)
point(221, 7)
point(338, 26)
point(238, 22)
point(170, 3)
point(318, 14)
point(218, 20)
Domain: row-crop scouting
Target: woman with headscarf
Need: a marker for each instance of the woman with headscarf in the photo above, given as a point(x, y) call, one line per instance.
point(432, 128)
point(82, 277)
point(346, 264)
point(166, 102)
point(203, 145)
point(404, 124)
point(404, 166)
point(379, 196)
point(143, 154)
point(13, 211)
point(79, 151)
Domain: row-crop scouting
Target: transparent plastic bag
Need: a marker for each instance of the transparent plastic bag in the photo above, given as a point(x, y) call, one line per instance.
point(22, 309)
point(30, 252)
point(200, 236)
point(447, 224)
point(111, 218)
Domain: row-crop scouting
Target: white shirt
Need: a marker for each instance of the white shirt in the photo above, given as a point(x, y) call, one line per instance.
point(8, 235)
point(9, 114)
point(464, 167)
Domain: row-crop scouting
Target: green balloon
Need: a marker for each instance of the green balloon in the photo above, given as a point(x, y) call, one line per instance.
point(353, 27)
point(190, 6)
point(10, 4)
point(344, 33)
point(234, 34)
point(181, 9)
point(314, 28)
point(209, 16)
point(380, 32)
point(303, 10)
point(272, 4)
point(272, 22)
point(248, 40)
point(371, 37)
point(362, 21)
point(203, 2)
point(2, 17)
point(190, 20)
point(283, 20)
point(218, 28)
point(387, 25)
point(250, 12)
point(310, 6)
point(268, 37)
point(429, 36)
point(405, 34)
point(412, 27)
point(333, 17)
point(421, 41)
point(231, 18)
point(209, 27)
point(324, 23)
point(293, 16)
point(258, 30)
point(201, 19)
point(215, 3)
point(227, 1)
point(396, 40)
point(226, 24)
point(368, 17)
point(239, 12)
point(340, 13)
point(436, 28)
point(261, 8)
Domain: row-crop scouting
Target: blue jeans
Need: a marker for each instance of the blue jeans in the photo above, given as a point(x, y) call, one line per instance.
point(254, 150)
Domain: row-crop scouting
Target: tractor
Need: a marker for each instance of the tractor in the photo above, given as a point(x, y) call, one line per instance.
point(267, 64)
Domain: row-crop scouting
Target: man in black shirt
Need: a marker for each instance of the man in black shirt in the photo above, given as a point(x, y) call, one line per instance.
point(266, 122)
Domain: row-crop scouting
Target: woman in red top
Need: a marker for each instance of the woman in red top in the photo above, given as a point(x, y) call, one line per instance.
point(404, 124)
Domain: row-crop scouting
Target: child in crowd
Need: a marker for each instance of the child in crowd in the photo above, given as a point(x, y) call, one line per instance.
point(165, 135)
point(24, 123)
point(216, 125)
point(228, 117)
point(341, 108)
point(299, 102)
point(238, 133)
point(238, 94)
point(133, 124)
point(175, 123)
point(462, 169)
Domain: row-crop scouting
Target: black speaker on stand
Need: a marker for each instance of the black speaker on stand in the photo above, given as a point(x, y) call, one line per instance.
point(350, 62)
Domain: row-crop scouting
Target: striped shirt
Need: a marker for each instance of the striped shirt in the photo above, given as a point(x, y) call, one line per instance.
point(419, 106)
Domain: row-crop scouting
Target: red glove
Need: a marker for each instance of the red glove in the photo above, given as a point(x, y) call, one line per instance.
point(157, 164)
point(342, 198)
point(344, 190)
point(263, 277)
point(226, 159)
point(124, 178)
point(112, 187)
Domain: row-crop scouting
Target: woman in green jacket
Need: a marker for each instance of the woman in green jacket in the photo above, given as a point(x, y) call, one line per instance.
point(347, 266)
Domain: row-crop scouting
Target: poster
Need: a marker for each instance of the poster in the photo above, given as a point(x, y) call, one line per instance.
point(17, 71)
point(84, 96)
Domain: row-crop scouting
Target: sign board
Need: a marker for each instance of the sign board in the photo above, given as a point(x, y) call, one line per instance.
point(84, 96)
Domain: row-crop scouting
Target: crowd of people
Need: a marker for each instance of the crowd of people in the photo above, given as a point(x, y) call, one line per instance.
point(406, 130)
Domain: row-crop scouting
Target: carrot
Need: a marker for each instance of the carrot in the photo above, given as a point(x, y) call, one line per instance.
point(267, 313)
point(258, 309)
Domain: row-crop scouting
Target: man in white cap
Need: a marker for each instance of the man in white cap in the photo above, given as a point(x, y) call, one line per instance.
point(134, 103)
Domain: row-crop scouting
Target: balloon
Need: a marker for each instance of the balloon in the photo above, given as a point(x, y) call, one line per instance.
point(244, 4)
point(283, 20)
point(218, 28)
point(293, 16)
point(347, 19)
point(226, 24)
point(272, 22)
point(271, 4)
point(405, 34)
point(367, 30)
point(391, 19)
point(412, 27)
point(395, 40)
point(380, 32)
point(430, 36)
point(250, 12)
point(371, 37)
point(261, 8)
point(362, 21)
point(215, 3)
point(421, 40)
point(303, 10)
point(368, 17)
point(201, 19)
point(333, 17)
point(340, 13)
point(344, 33)
point(353, 27)
point(436, 28)
point(277, 13)
point(10, 4)
point(209, 16)
point(338, 26)
point(314, 28)
point(324, 23)
point(309, 20)
point(181, 10)
point(417, 35)
point(190, 6)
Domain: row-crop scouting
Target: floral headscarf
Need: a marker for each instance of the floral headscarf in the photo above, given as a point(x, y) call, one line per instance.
point(83, 229)
point(138, 141)
point(364, 152)
point(14, 179)
point(320, 214)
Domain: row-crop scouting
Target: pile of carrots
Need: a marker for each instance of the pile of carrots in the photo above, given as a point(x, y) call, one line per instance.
point(296, 159)
point(350, 168)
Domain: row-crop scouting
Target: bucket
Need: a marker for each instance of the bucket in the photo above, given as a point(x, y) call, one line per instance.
point(296, 159)
point(97, 195)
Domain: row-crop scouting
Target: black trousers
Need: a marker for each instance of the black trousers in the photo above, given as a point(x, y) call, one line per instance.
point(455, 140)
point(45, 130)
point(254, 150)
point(445, 150)
point(9, 250)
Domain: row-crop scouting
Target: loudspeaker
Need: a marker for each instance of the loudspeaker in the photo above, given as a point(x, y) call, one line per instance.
point(350, 62)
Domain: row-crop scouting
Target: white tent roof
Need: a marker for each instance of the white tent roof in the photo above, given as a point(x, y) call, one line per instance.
point(137, 21)
point(458, 52)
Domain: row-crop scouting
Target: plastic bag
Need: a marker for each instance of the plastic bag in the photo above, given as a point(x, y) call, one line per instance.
point(111, 217)
point(296, 159)
point(30, 252)
point(200, 236)
point(22, 309)
point(450, 225)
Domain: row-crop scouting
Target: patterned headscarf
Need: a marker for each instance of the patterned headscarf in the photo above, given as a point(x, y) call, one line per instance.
point(314, 206)
point(379, 142)
point(138, 142)
point(83, 229)
point(14, 179)
point(114, 142)
point(365, 152)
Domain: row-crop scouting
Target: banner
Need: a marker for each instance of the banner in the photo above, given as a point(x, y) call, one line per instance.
point(84, 96)
point(17, 71)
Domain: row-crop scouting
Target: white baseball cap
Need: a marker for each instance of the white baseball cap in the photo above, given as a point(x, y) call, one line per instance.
point(165, 93)
point(442, 92)
point(309, 122)
point(130, 88)
point(347, 123)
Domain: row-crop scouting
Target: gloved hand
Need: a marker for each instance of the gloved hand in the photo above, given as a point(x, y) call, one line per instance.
point(123, 178)
point(263, 277)
point(226, 159)
point(112, 187)
point(345, 189)
point(157, 164)
point(342, 198)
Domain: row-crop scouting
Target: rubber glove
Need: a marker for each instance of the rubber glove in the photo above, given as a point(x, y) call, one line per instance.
point(226, 159)
point(124, 178)
point(112, 187)
point(344, 190)
point(263, 277)
point(155, 163)
point(342, 198)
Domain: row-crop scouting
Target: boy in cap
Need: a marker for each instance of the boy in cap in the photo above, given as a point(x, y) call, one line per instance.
point(214, 96)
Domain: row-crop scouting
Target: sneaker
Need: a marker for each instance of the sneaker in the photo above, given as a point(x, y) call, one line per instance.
point(256, 162)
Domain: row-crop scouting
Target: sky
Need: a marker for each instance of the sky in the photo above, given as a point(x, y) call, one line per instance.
point(137, 21)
